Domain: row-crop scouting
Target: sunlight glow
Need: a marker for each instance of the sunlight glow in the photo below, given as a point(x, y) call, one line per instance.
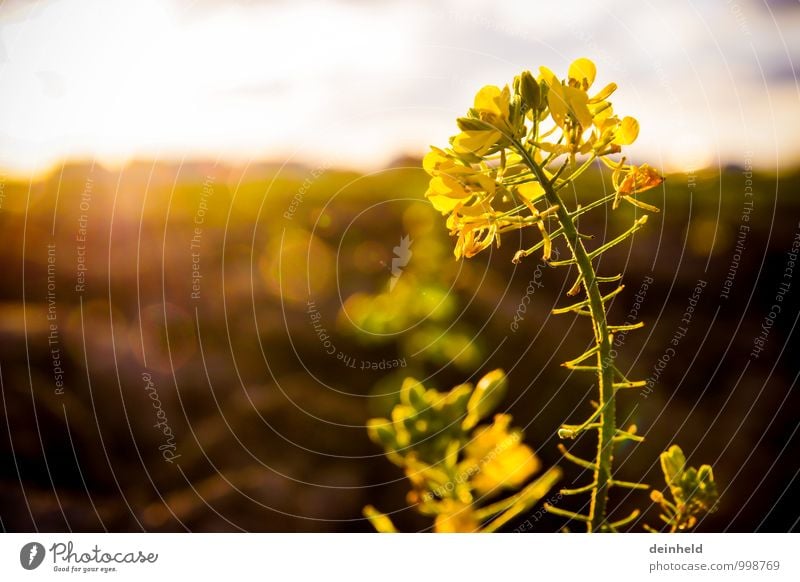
point(348, 83)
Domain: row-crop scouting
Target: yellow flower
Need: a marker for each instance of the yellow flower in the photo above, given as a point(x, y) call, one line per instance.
point(614, 132)
point(452, 183)
point(549, 117)
point(475, 228)
point(455, 517)
point(636, 179)
point(574, 112)
point(437, 160)
point(626, 132)
point(492, 108)
point(582, 73)
point(530, 191)
point(571, 108)
point(631, 180)
point(499, 456)
point(476, 141)
point(492, 105)
point(603, 94)
point(567, 103)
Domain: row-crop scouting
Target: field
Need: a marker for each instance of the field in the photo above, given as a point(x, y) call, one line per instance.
point(198, 346)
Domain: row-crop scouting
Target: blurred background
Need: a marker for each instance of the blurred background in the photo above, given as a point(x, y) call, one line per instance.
point(200, 205)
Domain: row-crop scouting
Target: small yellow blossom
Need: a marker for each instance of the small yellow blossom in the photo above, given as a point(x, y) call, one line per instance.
point(574, 111)
point(582, 73)
point(500, 457)
point(492, 105)
point(485, 183)
point(636, 179)
point(475, 228)
point(631, 180)
point(454, 461)
point(627, 131)
point(453, 183)
point(476, 141)
point(567, 104)
point(530, 191)
point(492, 108)
point(603, 94)
point(456, 517)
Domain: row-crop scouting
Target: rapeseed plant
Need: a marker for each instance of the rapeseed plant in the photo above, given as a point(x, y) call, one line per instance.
point(455, 461)
point(517, 148)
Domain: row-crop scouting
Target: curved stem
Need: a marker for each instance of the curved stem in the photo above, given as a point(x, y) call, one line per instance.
point(605, 368)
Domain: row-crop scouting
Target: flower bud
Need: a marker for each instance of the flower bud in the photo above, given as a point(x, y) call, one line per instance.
point(412, 394)
point(529, 90)
point(381, 433)
point(673, 463)
point(487, 395)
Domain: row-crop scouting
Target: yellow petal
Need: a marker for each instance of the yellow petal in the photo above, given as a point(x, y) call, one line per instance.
point(456, 518)
point(380, 521)
point(577, 100)
point(548, 76)
point(604, 93)
point(434, 160)
point(530, 191)
point(441, 202)
point(491, 439)
point(493, 102)
point(510, 468)
point(569, 100)
point(475, 210)
point(454, 186)
point(557, 103)
point(483, 183)
point(583, 71)
point(602, 112)
point(646, 178)
point(639, 179)
point(475, 142)
point(502, 460)
point(627, 132)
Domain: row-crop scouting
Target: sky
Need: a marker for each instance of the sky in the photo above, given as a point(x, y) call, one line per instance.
point(358, 83)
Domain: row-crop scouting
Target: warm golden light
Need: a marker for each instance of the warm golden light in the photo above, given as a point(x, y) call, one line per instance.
point(115, 80)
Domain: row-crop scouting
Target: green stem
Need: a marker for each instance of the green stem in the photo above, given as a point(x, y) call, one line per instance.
point(605, 369)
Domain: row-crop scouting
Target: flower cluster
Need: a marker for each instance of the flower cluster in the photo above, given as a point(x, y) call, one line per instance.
point(452, 460)
point(517, 147)
point(484, 182)
point(694, 491)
